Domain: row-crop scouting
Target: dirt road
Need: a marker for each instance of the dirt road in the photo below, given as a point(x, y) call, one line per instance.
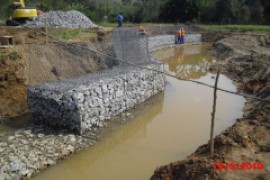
point(243, 150)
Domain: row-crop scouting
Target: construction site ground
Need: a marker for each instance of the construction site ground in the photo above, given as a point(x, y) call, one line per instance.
point(245, 58)
point(32, 61)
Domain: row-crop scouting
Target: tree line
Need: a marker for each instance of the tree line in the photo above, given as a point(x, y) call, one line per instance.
point(218, 11)
point(171, 11)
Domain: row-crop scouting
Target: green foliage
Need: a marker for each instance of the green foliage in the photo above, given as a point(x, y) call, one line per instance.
point(181, 11)
point(113, 24)
point(217, 11)
point(199, 11)
point(4, 8)
point(208, 12)
point(47, 5)
point(67, 34)
point(13, 55)
point(245, 15)
point(238, 28)
point(78, 7)
point(228, 11)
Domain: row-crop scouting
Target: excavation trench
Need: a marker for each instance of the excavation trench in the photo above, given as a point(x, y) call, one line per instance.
point(167, 127)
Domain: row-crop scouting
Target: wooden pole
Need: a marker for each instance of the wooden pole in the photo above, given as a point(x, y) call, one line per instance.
point(46, 29)
point(213, 116)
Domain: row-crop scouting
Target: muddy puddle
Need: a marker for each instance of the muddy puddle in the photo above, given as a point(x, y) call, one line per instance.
point(169, 126)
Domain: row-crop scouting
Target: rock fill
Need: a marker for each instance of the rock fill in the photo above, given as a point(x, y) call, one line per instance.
point(62, 19)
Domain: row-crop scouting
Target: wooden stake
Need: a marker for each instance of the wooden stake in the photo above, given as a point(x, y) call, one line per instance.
point(46, 29)
point(213, 116)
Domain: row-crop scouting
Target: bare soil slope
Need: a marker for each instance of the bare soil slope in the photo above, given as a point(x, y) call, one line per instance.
point(12, 84)
point(246, 59)
point(32, 61)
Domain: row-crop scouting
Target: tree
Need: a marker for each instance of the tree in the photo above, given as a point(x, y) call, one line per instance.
point(245, 14)
point(256, 10)
point(228, 11)
point(180, 11)
point(266, 10)
point(208, 12)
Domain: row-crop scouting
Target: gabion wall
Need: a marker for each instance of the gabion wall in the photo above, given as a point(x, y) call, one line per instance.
point(80, 103)
point(158, 42)
point(93, 101)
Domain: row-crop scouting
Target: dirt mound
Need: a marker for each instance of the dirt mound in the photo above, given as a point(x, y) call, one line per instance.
point(245, 146)
point(31, 61)
point(12, 84)
point(244, 44)
point(61, 19)
point(62, 61)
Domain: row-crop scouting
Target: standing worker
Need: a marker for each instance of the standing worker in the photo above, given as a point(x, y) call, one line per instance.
point(182, 30)
point(142, 30)
point(179, 36)
point(120, 19)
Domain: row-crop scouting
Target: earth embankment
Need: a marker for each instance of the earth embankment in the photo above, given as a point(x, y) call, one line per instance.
point(32, 61)
point(245, 58)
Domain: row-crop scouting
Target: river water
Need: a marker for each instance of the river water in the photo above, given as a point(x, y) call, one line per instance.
point(169, 126)
point(15, 123)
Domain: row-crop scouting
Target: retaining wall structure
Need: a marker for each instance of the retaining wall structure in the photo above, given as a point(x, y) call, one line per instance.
point(161, 41)
point(80, 103)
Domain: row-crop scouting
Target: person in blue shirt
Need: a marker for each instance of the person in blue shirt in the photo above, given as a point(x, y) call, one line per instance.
point(120, 19)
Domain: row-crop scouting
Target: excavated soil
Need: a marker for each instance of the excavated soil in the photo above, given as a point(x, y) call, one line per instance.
point(12, 85)
point(32, 61)
point(245, 58)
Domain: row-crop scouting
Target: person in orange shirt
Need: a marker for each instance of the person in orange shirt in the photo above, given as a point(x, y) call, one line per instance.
point(142, 30)
point(179, 37)
point(182, 32)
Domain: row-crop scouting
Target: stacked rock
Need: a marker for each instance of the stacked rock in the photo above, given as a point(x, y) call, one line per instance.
point(61, 19)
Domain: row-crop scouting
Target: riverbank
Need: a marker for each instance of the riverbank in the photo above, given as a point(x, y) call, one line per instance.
point(31, 61)
point(245, 58)
point(28, 151)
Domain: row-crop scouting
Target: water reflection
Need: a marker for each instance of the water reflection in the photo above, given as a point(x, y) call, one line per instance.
point(186, 62)
point(14, 123)
point(115, 151)
point(168, 129)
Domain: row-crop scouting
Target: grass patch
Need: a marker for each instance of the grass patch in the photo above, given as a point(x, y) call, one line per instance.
point(79, 35)
point(66, 34)
point(13, 55)
point(237, 28)
point(74, 35)
point(130, 24)
point(2, 21)
point(7, 53)
point(110, 24)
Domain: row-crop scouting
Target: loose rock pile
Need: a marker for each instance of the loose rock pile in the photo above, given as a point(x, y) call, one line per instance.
point(61, 19)
point(31, 150)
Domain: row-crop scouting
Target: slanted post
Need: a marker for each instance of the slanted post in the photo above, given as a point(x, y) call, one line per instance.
point(46, 29)
point(213, 116)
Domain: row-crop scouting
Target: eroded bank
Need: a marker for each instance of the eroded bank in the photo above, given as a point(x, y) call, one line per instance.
point(245, 59)
point(27, 151)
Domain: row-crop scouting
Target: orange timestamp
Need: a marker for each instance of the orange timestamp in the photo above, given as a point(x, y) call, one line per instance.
point(241, 166)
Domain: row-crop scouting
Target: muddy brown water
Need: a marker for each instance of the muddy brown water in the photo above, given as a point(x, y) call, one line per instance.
point(12, 124)
point(169, 128)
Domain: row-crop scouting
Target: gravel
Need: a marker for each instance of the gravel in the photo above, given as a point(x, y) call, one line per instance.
point(61, 19)
point(28, 151)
